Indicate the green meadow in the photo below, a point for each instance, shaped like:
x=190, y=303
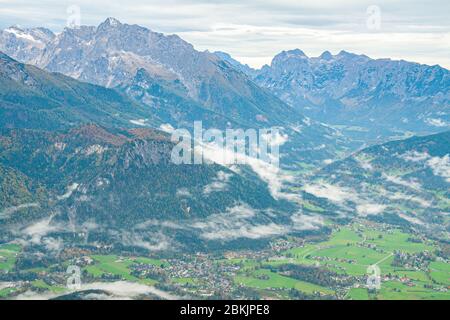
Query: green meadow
x=120, y=266
x=265, y=279
x=8, y=256
x=350, y=251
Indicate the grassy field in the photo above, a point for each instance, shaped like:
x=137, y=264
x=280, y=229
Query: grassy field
x=358, y=294
x=6, y=292
x=120, y=266
x=351, y=250
x=155, y=262
x=40, y=284
x=8, y=255
x=265, y=279
x=311, y=207
x=111, y=264
x=440, y=272
x=393, y=290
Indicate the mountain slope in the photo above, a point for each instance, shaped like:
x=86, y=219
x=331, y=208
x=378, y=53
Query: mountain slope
x=32, y=98
x=71, y=160
x=246, y=69
x=112, y=53
x=25, y=44
x=120, y=186
x=18, y=193
x=181, y=85
x=354, y=90
x=405, y=182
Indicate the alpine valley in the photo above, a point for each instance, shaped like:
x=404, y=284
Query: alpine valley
x=87, y=180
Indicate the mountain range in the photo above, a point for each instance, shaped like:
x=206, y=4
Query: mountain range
x=84, y=155
x=382, y=96
x=175, y=82
x=113, y=54
x=74, y=158
x=367, y=100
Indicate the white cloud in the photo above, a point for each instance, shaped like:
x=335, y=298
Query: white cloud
x=440, y=166
x=33, y=295
x=415, y=156
x=38, y=230
x=11, y=210
x=236, y=223
x=239, y=222
x=127, y=290
x=271, y=173
x=246, y=231
x=400, y=196
x=370, y=209
x=219, y=183
x=52, y=244
x=119, y=290
x=331, y=192
x=183, y=192
x=411, y=219
x=157, y=242
x=305, y=222
x=364, y=163
x=139, y=122
x=70, y=190
x=167, y=127
x=405, y=183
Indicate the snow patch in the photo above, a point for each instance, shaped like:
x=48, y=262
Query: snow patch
x=331, y=192
x=368, y=209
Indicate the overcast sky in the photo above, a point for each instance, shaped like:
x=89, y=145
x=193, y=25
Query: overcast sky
x=253, y=31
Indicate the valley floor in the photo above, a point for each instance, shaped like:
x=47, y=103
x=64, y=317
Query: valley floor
x=410, y=266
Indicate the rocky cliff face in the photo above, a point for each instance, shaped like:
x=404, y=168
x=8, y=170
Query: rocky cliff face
x=350, y=89
x=25, y=44
x=111, y=54
x=180, y=85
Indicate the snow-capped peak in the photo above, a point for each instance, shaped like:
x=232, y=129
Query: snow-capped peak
x=110, y=22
